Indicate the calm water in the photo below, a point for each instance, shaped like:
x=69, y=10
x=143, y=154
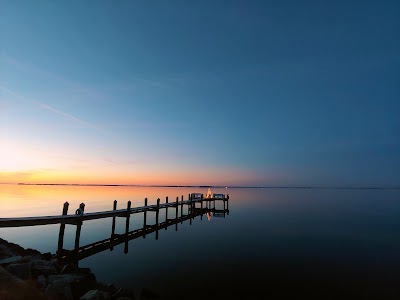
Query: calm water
x=275, y=243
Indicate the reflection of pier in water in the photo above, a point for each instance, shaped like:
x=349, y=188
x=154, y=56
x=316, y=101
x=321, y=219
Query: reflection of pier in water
x=207, y=206
x=116, y=239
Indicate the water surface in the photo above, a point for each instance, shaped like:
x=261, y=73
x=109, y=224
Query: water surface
x=278, y=243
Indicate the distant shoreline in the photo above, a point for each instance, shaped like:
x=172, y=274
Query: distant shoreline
x=209, y=186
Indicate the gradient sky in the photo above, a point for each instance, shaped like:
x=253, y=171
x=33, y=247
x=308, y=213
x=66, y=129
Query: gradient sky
x=200, y=92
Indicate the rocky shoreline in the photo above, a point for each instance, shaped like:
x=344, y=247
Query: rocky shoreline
x=29, y=274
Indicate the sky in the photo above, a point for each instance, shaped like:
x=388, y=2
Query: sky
x=251, y=93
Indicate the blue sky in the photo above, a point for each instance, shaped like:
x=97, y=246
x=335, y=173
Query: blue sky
x=200, y=92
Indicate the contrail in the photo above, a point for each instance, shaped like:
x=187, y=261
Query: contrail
x=50, y=108
x=68, y=116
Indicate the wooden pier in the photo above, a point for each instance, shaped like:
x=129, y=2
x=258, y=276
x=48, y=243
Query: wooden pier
x=207, y=206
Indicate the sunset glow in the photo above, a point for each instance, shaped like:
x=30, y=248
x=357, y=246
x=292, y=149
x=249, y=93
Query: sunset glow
x=250, y=97
x=247, y=149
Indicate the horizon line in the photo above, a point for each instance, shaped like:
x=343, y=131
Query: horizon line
x=211, y=186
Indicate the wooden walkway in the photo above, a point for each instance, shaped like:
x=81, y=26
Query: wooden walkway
x=207, y=205
x=80, y=216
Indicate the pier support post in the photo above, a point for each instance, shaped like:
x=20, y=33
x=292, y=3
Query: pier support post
x=191, y=208
x=176, y=214
x=62, y=229
x=176, y=207
x=181, y=208
x=201, y=207
x=128, y=217
x=79, y=212
x=166, y=213
x=157, y=213
x=113, y=227
x=145, y=219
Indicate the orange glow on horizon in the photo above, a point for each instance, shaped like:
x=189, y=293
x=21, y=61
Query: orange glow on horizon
x=165, y=177
x=37, y=200
x=21, y=162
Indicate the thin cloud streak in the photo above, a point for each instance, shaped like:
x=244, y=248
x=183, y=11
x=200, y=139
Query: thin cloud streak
x=50, y=108
x=68, y=116
x=10, y=92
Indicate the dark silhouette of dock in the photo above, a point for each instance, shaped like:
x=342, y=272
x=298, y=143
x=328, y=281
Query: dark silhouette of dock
x=207, y=206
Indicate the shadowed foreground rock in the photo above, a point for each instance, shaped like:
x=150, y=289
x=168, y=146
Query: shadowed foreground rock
x=28, y=274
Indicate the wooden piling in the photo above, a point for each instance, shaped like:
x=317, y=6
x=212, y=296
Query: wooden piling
x=80, y=211
x=62, y=228
x=176, y=213
x=176, y=207
x=166, y=212
x=145, y=219
x=182, y=206
x=128, y=217
x=157, y=213
x=113, y=226
x=190, y=211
